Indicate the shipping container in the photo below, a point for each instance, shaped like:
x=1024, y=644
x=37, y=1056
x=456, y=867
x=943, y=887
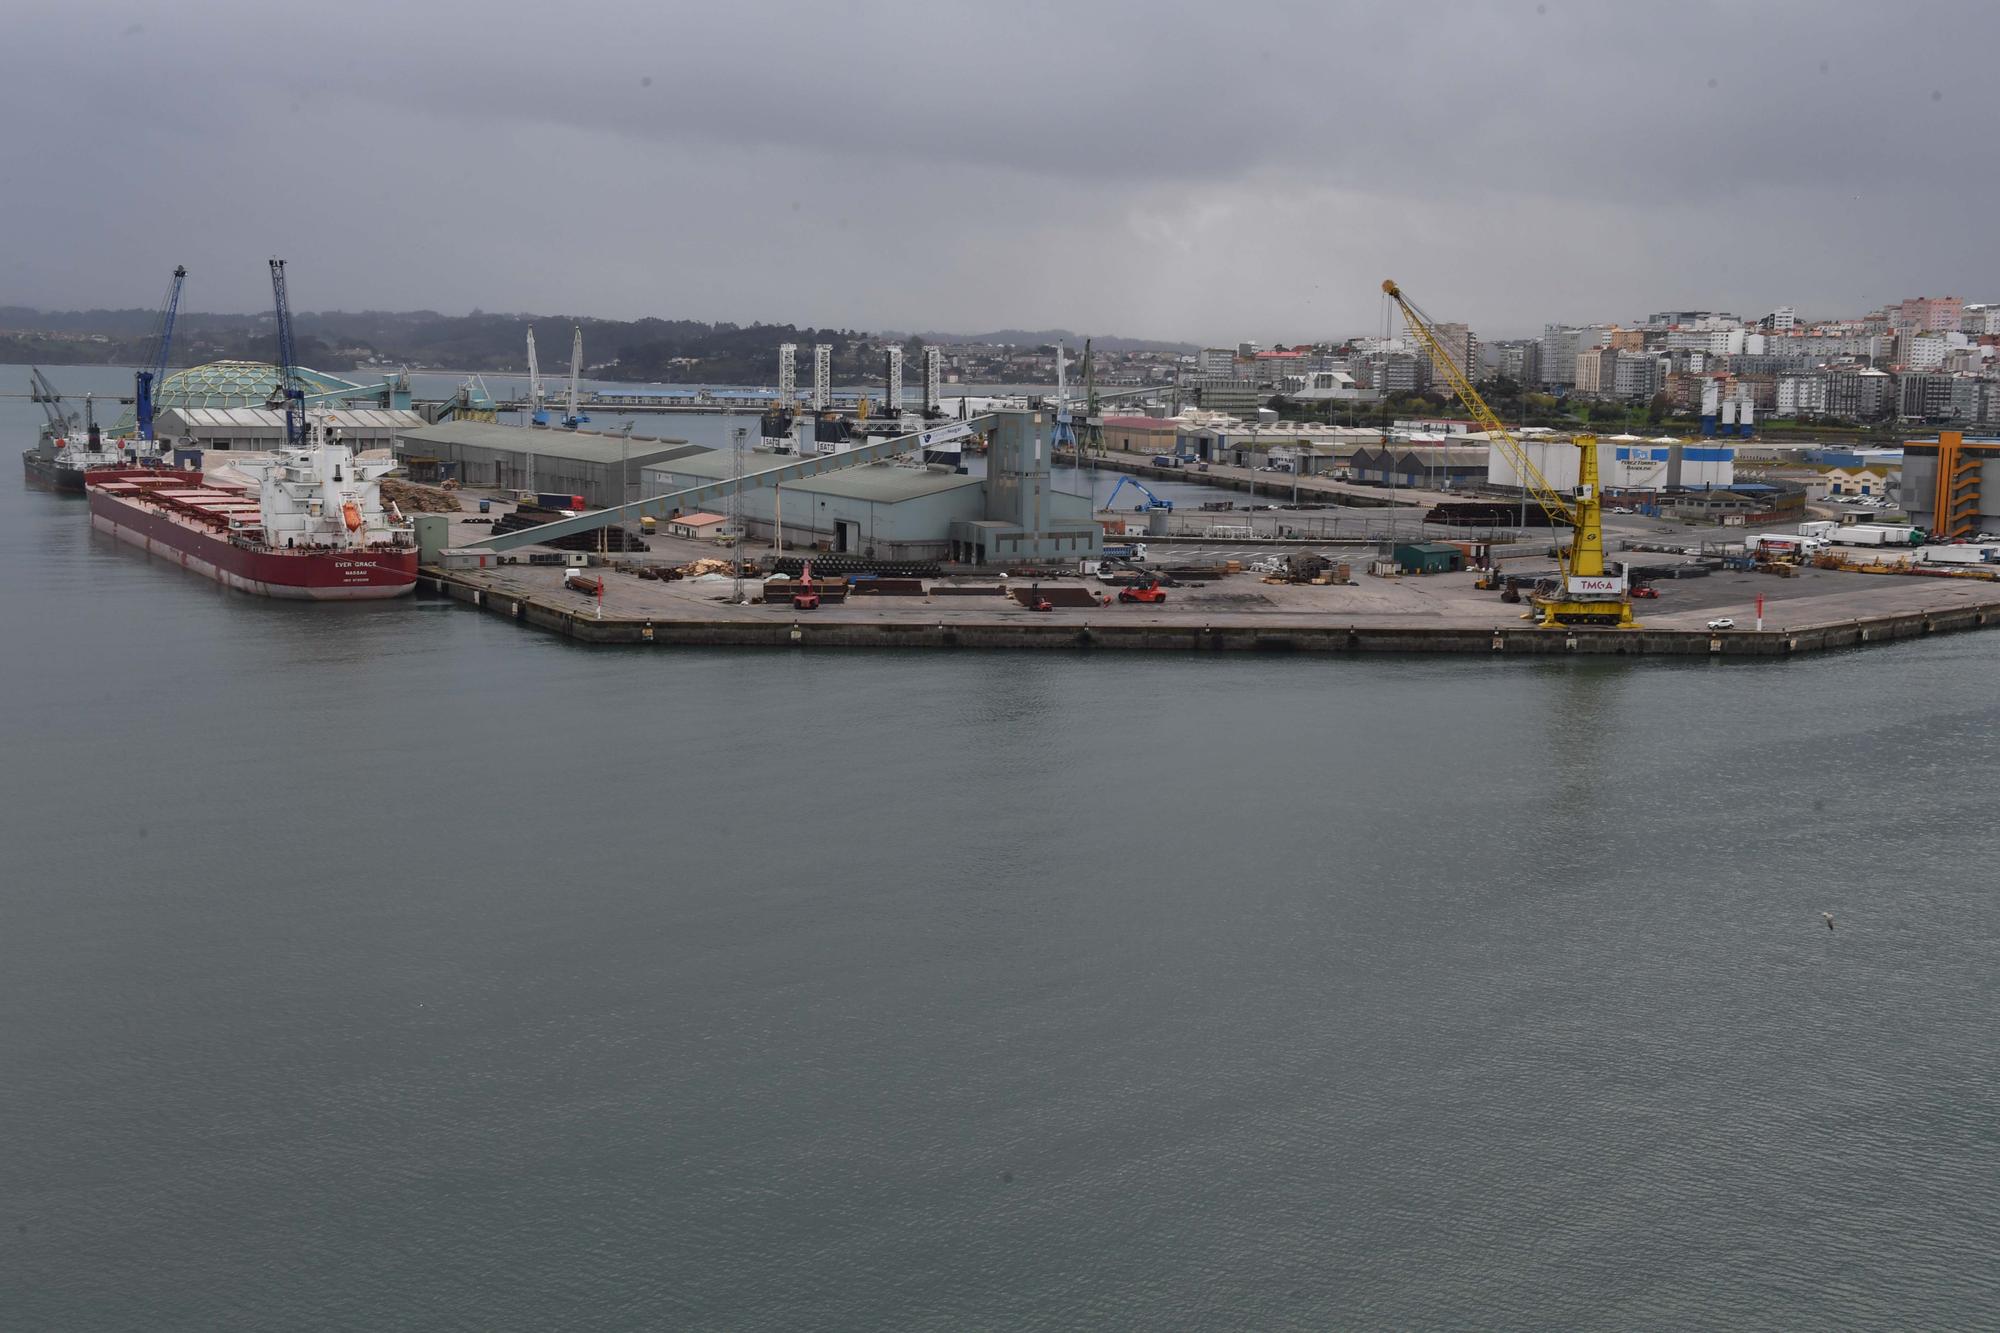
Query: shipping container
x=1961, y=555
x=1879, y=534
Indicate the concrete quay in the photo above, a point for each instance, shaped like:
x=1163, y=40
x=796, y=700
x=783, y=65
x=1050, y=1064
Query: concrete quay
x=1816, y=612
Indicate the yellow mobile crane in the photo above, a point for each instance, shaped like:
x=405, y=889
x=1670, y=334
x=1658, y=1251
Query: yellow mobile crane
x=1588, y=595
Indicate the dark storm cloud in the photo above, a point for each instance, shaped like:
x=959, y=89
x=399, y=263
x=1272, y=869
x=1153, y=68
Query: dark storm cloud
x=1202, y=171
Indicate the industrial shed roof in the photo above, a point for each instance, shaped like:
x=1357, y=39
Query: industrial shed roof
x=583, y=446
x=881, y=482
x=263, y=418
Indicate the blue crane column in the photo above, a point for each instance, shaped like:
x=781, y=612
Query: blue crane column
x=156, y=365
x=289, y=385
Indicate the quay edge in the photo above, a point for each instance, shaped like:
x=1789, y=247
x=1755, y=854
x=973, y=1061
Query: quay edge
x=790, y=631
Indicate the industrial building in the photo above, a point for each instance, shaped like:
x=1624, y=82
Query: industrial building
x=1744, y=502
x=1951, y=485
x=264, y=428
x=1213, y=437
x=888, y=511
x=1142, y=435
x=604, y=469
x=1428, y=558
x=254, y=384
x=1624, y=463
x=1434, y=467
x=897, y=511
x=1870, y=480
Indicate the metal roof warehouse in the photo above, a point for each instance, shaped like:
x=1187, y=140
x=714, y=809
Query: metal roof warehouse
x=604, y=469
x=899, y=512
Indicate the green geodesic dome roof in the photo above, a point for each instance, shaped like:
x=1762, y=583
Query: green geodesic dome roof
x=234, y=384
x=229, y=384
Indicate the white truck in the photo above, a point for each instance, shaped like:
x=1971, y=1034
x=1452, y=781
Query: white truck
x=1785, y=543
x=1960, y=555
x=1878, y=534
x=1818, y=528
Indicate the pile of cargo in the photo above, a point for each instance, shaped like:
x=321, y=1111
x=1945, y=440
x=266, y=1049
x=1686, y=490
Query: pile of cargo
x=414, y=499
x=694, y=569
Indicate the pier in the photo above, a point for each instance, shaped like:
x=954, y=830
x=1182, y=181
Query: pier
x=1233, y=613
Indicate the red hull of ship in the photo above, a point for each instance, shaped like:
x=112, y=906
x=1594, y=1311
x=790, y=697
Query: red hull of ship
x=311, y=575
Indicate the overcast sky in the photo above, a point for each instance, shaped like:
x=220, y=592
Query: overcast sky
x=1211, y=172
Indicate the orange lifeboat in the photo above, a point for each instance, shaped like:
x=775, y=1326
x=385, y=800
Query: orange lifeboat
x=352, y=513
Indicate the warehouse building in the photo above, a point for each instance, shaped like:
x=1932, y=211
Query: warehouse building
x=262, y=428
x=605, y=470
x=1624, y=462
x=886, y=511
x=1142, y=435
x=898, y=511
x=1434, y=467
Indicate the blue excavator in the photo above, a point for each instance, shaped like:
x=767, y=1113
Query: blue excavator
x=1152, y=501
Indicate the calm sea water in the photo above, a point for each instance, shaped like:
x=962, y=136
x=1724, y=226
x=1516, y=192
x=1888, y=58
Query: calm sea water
x=389, y=967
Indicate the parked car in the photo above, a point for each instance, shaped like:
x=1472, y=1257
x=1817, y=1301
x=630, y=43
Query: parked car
x=1722, y=622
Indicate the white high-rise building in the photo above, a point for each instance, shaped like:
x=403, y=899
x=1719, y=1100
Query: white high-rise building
x=1925, y=351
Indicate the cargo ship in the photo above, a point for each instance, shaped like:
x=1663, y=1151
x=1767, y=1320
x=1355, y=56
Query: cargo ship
x=305, y=521
x=59, y=461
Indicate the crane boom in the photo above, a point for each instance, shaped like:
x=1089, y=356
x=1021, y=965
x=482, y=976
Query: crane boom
x=575, y=418
x=45, y=393
x=156, y=366
x=1551, y=502
x=291, y=388
x=537, y=413
x=1588, y=595
x=1092, y=440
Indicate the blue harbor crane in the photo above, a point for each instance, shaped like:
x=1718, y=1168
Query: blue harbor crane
x=291, y=387
x=156, y=363
x=1062, y=434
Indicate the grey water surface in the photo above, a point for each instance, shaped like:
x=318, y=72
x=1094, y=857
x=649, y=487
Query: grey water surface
x=390, y=967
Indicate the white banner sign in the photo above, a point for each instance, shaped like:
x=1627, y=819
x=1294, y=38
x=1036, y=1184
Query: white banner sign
x=1596, y=585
